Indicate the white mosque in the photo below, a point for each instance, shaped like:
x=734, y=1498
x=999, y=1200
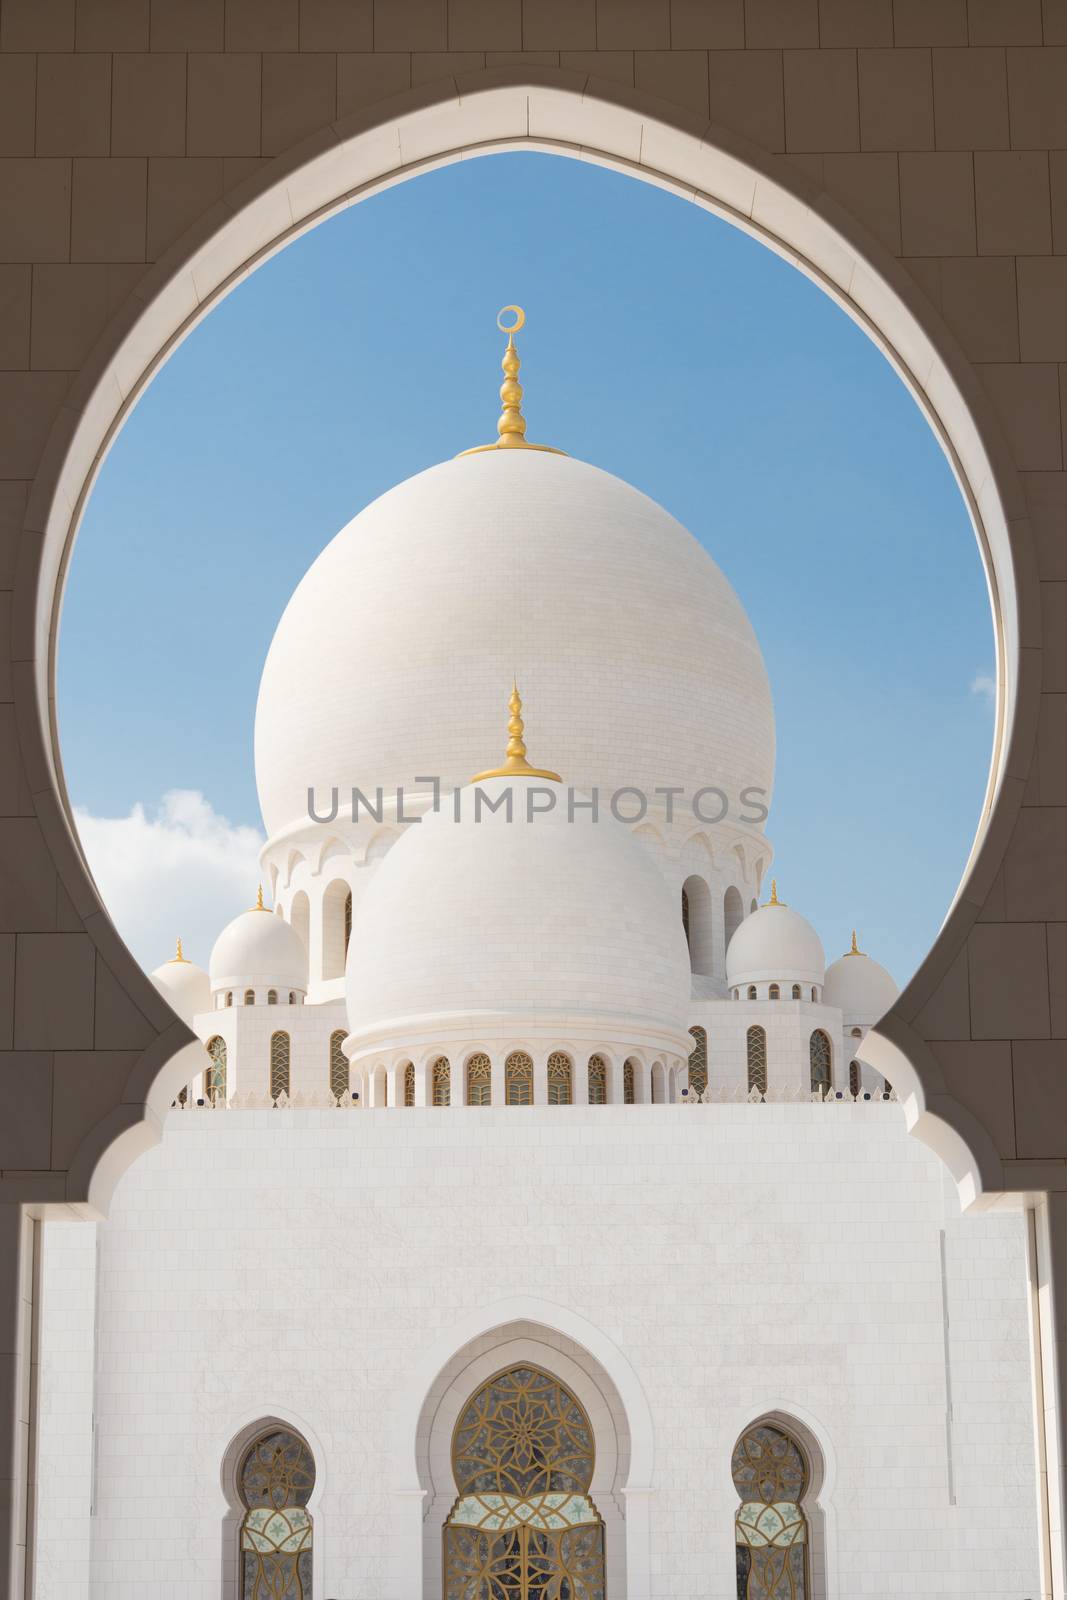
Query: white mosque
x=534, y=1229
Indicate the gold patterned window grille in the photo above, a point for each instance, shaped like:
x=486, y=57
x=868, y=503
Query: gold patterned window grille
x=598, y=1081
x=215, y=1081
x=250, y=997
x=272, y=997
x=628, y=1083
x=819, y=1052
x=279, y=1064
x=770, y=1528
x=756, y=1045
x=523, y=1526
x=853, y=1077
x=409, y=1084
x=338, y=1066
x=774, y=993
x=479, y=1080
x=518, y=1079
x=275, y=1481
x=698, y=1061
x=560, y=1079
x=442, y=1082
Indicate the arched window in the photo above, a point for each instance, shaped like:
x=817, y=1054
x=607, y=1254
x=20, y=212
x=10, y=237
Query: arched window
x=275, y=1480
x=279, y=1064
x=853, y=1077
x=628, y=1083
x=796, y=991
x=819, y=1051
x=336, y=927
x=733, y=913
x=697, y=918
x=338, y=1065
x=737, y=994
x=523, y=1523
x=250, y=997
x=756, y=1045
x=479, y=1081
x=292, y=997
x=518, y=1079
x=409, y=1084
x=752, y=991
x=770, y=1528
x=229, y=998
x=598, y=1081
x=685, y=914
x=774, y=993
x=814, y=993
x=215, y=1081
x=698, y=1061
x=272, y=997
x=442, y=1082
x=559, y=1079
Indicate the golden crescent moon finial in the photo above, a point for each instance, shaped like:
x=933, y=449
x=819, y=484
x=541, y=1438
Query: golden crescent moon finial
x=520, y=319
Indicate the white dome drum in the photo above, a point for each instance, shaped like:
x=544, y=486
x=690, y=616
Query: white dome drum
x=775, y=945
x=259, y=950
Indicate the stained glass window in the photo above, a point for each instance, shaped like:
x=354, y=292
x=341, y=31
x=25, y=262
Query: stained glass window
x=628, y=1083
x=757, y=1059
x=479, y=1081
x=215, y=1081
x=770, y=1528
x=338, y=1066
x=559, y=1079
x=279, y=1064
x=698, y=1061
x=275, y=1482
x=518, y=1079
x=409, y=1084
x=523, y=1526
x=598, y=1081
x=442, y=1082
x=819, y=1051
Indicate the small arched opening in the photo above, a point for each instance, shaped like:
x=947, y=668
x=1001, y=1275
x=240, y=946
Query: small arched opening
x=733, y=913
x=696, y=914
x=336, y=927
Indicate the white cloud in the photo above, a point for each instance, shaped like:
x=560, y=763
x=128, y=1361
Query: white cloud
x=179, y=869
x=984, y=685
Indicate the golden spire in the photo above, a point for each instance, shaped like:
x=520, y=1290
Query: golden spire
x=177, y=956
x=515, y=763
x=774, y=900
x=512, y=425
x=855, y=950
x=259, y=906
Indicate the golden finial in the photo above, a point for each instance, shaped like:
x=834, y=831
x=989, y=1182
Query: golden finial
x=855, y=950
x=259, y=906
x=512, y=425
x=774, y=900
x=515, y=763
x=177, y=956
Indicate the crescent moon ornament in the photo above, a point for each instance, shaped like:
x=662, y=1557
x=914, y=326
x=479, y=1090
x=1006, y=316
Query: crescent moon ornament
x=519, y=322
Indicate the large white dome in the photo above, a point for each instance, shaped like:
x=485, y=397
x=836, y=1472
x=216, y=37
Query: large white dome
x=774, y=945
x=394, y=655
x=260, y=950
x=861, y=987
x=539, y=928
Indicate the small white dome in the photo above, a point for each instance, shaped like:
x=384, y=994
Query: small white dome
x=537, y=928
x=185, y=986
x=775, y=945
x=860, y=987
x=259, y=950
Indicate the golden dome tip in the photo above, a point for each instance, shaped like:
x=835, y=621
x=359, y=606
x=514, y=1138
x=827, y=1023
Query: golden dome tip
x=511, y=426
x=515, y=762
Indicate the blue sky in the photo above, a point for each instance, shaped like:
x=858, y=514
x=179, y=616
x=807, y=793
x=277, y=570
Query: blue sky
x=661, y=344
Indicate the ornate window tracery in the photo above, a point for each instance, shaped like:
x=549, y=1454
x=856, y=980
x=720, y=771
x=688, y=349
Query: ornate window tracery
x=348, y=921
x=770, y=1528
x=756, y=1044
x=598, y=1081
x=279, y=1064
x=853, y=1077
x=215, y=1080
x=819, y=1052
x=442, y=1081
x=518, y=1079
x=479, y=1080
x=409, y=1084
x=560, y=1079
x=524, y=1526
x=628, y=1083
x=698, y=1061
x=338, y=1065
x=275, y=1481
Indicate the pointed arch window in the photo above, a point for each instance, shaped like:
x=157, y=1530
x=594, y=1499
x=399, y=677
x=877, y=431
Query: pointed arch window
x=338, y=1065
x=560, y=1079
x=821, y=1068
x=409, y=1084
x=275, y=1480
x=756, y=1050
x=770, y=1529
x=442, y=1081
x=215, y=1081
x=279, y=1065
x=698, y=1061
x=479, y=1080
x=628, y=1083
x=598, y=1081
x=518, y=1079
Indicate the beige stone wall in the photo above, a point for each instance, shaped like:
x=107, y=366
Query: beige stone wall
x=939, y=126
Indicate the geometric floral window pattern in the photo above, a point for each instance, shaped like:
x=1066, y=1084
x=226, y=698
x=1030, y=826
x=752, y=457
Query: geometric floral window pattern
x=757, y=1059
x=518, y=1079
x=409, y=1084
x=523, y=1526
x=628, y=1083
x=698, y=1061
x=598, y=1081
x=338, y=1066
x=559, y=1079
x=479, y=1080
x=442, y=1086
x=275, y=1481
x=819, y=1050
x=279, y=1064
x=216, y=1072
x=770, y=1529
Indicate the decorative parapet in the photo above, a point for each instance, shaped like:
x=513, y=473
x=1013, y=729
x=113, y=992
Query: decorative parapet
x=713, y=1095
x=729, y=1095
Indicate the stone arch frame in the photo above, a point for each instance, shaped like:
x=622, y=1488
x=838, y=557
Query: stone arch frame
x=243, y=1430
x=448, y=1371
x=818, y=1500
